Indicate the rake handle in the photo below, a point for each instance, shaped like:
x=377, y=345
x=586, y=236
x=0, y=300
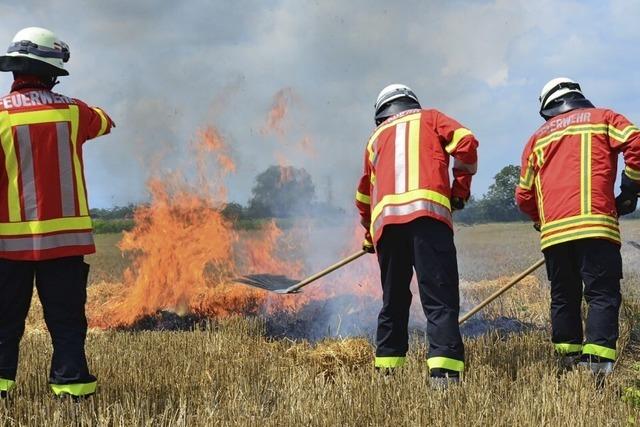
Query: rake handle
x=326, y=271
x=500, y=291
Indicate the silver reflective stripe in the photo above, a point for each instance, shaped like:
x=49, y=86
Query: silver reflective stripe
x=27, y=173
x=409, y=208
x=471, y=168
x=374, y=186
x=401, y=160
x=67, y=191
x=37, y=243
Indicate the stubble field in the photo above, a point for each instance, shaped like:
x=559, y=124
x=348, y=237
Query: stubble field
x=232, y=373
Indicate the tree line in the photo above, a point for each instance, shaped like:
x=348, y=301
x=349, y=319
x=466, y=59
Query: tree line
x=286, y=192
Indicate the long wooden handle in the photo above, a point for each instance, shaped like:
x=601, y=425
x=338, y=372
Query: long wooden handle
x=326, y=271
x=500, y=291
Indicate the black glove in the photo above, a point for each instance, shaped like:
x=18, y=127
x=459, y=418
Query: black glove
x=457, y=204
x=626, y=203
x=627, y=200
x=367, y=243
x=536, y=226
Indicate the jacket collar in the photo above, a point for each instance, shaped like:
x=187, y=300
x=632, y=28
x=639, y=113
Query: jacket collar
x=28, y=82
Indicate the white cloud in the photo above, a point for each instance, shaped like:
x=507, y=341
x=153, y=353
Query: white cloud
x=164, y=68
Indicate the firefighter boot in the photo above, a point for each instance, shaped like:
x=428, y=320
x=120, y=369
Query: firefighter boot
x=441, y=379
x=597, y=365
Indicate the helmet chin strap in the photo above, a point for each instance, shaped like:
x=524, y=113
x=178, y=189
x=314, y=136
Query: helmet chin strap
x=54, y=81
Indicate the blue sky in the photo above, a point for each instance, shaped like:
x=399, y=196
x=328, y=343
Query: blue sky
x=163, y=69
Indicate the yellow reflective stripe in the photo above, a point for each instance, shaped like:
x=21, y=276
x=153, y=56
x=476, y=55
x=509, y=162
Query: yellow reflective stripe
x=570, y=130
x=622, y=135
x=526, y=181
x=583, y=233
x=46, y=226
x=389, y=362
x=103, y=121
x=539, y=198
x=573, y=221
x=6, y=385
x=74, y=389
x=372, y=180
x=585, y=228
x=382, y=128
x=581, y=225
x=619, y=135
x=632, y=173
x=363, y=198
x=539, y=157
x=445, y=363
x=413, y=157
x=564, y=348
x=11, y=166
x=42, y=116
x=458, y=134
x=409, y=196
x=585, y=173
x=598, y=350
x=77, y=166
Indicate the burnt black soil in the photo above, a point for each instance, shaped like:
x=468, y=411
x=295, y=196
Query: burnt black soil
x=342, y=316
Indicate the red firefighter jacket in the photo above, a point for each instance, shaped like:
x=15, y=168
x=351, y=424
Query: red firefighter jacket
x=569, y=168
x=43, y=199
x=406, y=169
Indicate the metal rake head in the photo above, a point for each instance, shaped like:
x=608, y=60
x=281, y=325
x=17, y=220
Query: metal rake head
x=269, y=282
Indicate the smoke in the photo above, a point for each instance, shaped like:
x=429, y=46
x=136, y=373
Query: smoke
x=163, y=69
x=159, y=67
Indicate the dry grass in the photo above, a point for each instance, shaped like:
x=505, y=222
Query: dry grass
x=230, y=374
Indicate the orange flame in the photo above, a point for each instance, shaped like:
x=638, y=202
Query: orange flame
x=184, y=252
x=276, y=118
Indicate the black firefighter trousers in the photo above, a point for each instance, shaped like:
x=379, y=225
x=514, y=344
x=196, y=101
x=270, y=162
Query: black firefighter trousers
x=427, y=245
x=62, y=288
x=596, y=263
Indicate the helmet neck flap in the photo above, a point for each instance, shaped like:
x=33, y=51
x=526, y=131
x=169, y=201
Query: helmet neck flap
x=394, y=107
x=564, y=104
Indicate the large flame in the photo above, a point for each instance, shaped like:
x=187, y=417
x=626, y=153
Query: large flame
x=186, y=253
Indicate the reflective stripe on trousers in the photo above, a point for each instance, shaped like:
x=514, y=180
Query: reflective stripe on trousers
x=6, y=385
x=37, y=243
x=77, y=390
x=445, y=363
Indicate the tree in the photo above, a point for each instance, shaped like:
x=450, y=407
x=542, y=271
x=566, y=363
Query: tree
x=282, y=191
x=233, y=211
x=499, y=203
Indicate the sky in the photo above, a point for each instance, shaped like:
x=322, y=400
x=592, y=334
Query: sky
x=164, y=69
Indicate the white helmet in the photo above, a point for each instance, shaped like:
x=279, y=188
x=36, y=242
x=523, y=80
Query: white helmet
x=37, y=51
x=391, y=93
x=556, y=88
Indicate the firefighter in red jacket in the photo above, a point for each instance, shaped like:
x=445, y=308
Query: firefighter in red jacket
x=405, y=201
x=567, y=188
x=45, y=228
